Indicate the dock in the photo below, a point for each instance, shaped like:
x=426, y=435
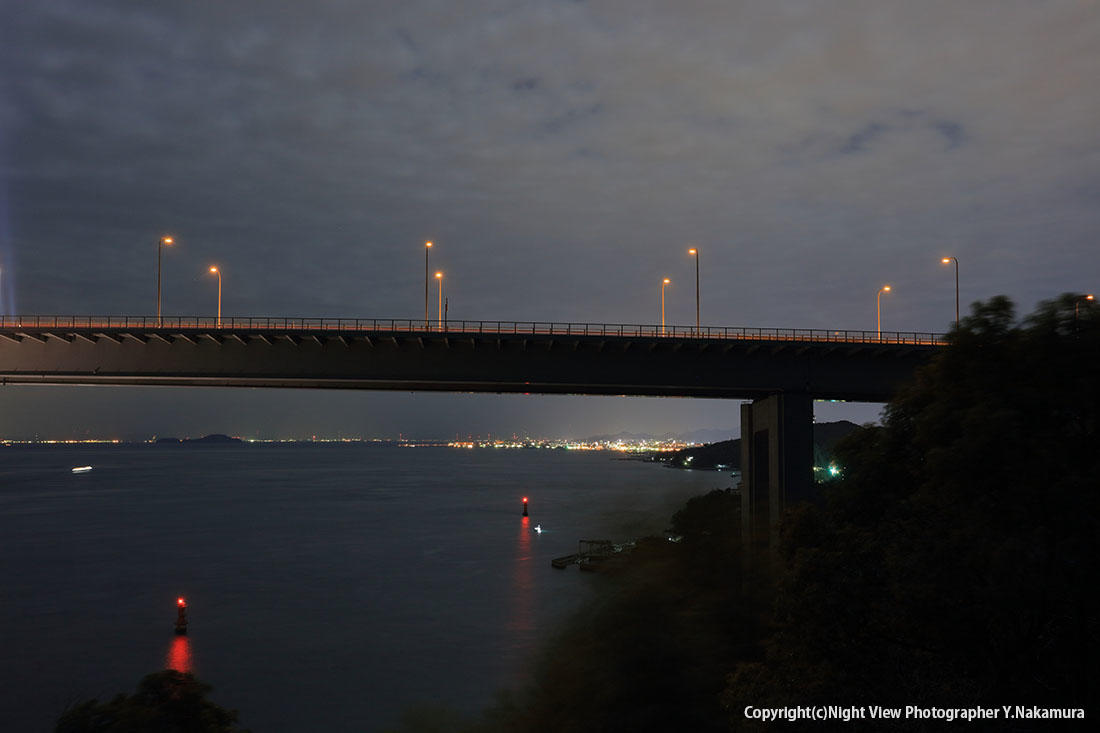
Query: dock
x=590, y=554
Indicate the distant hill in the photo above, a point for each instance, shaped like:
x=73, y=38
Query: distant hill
x=213, y=438
x=727, y=453
x=705, y=435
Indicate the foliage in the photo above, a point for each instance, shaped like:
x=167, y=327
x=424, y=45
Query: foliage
x=166, y=702
x=709, y=515
x=954, y=563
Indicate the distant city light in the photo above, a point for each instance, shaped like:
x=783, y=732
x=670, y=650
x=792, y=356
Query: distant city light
x=635, y=445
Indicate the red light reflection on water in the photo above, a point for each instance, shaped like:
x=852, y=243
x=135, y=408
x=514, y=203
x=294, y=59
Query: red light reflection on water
x=523, y=581
x=179, y=655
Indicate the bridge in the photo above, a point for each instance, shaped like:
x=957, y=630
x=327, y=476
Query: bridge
x=780, y=370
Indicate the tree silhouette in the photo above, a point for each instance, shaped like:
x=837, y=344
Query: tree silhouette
x=955, y=562
x=165, y=702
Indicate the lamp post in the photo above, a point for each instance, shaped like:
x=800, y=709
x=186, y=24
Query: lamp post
x=695, y=251
x=427, y=246
x=947, y=261
x=439, y=278
x=160, y=245
x=664, y=282
x=1077, y=306
x=878, y=309
x=218, y=272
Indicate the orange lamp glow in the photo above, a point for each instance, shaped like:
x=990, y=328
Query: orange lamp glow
x=166, y=240
x=692, y=251
x=427, y=244
x=213, y=269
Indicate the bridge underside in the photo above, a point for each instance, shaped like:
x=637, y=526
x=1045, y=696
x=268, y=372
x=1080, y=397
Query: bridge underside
x=458, y=362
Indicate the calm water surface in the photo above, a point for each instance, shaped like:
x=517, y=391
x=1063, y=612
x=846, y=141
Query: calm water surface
x=330, y=586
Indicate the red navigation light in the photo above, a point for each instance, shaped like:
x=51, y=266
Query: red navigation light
x=180, y=602
x=525, y=500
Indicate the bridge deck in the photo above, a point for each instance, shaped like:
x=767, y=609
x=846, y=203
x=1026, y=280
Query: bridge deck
x=466, y=356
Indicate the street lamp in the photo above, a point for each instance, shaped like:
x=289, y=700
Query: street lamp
x=439, y=277
x=218, y=272
x=948, y=261
x=1077, y=305
x=163, y=241
x=695, y=251
x=664, y=282
x=427, y=246
x=878, y=309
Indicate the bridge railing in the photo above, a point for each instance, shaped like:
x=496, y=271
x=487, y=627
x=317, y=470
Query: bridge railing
x=185, y=324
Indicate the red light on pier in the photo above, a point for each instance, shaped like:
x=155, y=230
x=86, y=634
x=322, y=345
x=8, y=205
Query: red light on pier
x=181, y=616
x=525, y=500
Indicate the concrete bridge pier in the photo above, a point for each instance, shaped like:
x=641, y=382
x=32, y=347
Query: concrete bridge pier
x=777, y=450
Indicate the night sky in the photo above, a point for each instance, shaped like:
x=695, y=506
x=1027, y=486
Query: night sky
x=562, y=155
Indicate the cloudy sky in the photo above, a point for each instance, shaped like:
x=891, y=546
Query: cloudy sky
x=562, y=154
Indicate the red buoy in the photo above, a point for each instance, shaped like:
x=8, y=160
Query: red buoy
x=181, y=615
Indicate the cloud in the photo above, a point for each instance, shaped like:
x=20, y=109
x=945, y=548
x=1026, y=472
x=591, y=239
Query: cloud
x=560, y=153
x=952, y=132
x=858, y=142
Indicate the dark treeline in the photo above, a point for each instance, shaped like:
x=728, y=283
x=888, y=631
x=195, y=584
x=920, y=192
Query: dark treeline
x=164, y=702
x=956, y=563
x=953, y=564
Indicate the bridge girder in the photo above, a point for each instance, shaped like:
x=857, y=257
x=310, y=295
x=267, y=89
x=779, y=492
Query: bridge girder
x=449, y=361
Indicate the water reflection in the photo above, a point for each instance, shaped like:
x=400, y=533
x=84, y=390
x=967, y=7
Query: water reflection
x=179, y=655
x=523, y=581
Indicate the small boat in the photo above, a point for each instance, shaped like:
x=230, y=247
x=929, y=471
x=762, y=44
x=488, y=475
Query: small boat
x=82, y=469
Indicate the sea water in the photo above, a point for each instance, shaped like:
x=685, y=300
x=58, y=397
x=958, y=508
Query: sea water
x=329, y=586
